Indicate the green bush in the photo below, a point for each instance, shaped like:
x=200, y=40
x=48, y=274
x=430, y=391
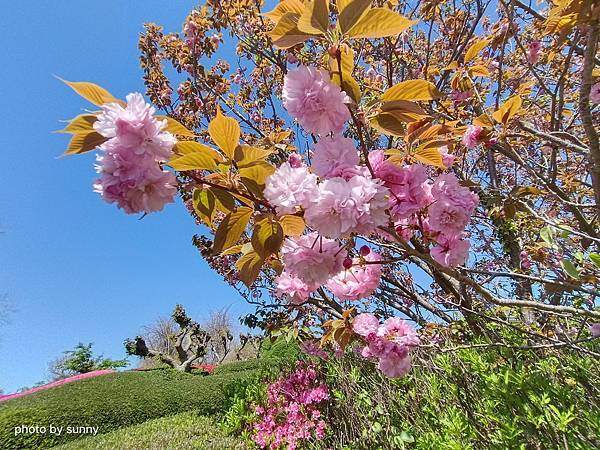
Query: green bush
x=240, y=366
x=468, y=399
x=114, y=401
x=181, y=431
x=280, y=348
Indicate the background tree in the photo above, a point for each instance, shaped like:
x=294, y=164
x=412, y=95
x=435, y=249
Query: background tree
x=82, y=360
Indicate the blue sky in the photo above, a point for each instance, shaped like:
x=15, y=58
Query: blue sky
x=73, y=267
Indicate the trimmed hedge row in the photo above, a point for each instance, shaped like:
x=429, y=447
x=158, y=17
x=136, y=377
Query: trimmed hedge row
x=114, y=401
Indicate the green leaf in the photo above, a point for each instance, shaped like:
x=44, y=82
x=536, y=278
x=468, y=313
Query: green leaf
x=547, y=235
x=570, y=268
x=595, y=258
x=231, y=229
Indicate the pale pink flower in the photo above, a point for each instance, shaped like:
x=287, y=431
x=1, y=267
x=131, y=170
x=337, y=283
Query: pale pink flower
x=365, y=324
x=359, y=281
x=534, y=51
x=447, y=158
x=398, y=331
x=135, y=127
x=295, y=160
x=314, y=101
x=312, y=258
x=292, y=288
x=595, y=93
x=290, y=188
x=357, y=205
x=394, y=366
x=453, y=205
x=333, y=154
x=451, y=251
x=472, y=136
x=595, y=329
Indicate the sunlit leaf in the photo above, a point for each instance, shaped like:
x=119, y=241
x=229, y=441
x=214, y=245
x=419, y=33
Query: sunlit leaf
x=570, y=268
x=186, y=147
x=258, y=172
x=292, y=225
x=286, y=6
x=508, y=109
x=315, y=18
x=286, y=34
x=547, y=235
x=387, y=123
x=246, y=156
x=351, y=12
x=198, y=160
x=404, y=110
x=84, y=142
x=378, y=23
x=412, y=90
x=174, y=127
x=595, y=258
x=479, y=71
x=267, y=237
x=83, y=123
x=249, y=266
x=231, y=229
x=475, y=48
x=225, y=132
x=429, y=155
x=204, y=202
x=92, y=92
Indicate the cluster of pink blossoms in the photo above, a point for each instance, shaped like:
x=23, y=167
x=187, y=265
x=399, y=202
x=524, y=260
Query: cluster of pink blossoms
x=291, y=414
x=389, y=343
x=340, y=197
x=129, y=166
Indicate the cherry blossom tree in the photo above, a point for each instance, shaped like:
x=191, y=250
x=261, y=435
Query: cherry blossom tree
x=433, y=161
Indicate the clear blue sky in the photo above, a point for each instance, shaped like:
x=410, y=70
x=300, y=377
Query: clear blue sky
x=75, y=268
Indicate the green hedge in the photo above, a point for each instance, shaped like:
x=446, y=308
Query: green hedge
x=114, y=401
x=181, y=431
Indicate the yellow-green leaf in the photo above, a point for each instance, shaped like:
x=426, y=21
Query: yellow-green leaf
x=267, y=237
x=474, y=49
x=315, y=18
x=231, y=229
x=508, y=109
x=84, y=142
x=83, y=123
x=404, y=110
x=351, y=12
x=186, y=147
x=292, y=225
x=174, y=127
x=92, y=92
x=387, y=123
x=246, y=155
x=257, y=172
x=431, y=156
x=412, y=90
x=249, y=266
x=286, y=6
x=378, y=23
x=225, y=132
x=193, y=161
x=286, y=33
x=205, y=203
x=479, y=71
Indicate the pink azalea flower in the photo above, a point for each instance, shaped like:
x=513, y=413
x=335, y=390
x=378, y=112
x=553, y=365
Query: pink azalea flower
x=365, y=324
x=359, y=281
x=290, y=188
x=357, y=205
x=314, y=101
x=534, y=51
x=472, y=137
x=333, y=154
x=595, y=93
x=312, y=258
x=451, y=251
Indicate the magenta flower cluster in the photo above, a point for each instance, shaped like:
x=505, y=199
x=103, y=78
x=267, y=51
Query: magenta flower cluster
x=291, y=414
x=389, y=343
x=129, y=166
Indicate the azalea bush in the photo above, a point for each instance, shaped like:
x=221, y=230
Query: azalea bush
x=422, y=163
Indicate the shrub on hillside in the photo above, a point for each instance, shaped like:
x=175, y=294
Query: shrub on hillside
x=114, y=401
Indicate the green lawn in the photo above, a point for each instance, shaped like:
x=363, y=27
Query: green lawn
x=178, y=432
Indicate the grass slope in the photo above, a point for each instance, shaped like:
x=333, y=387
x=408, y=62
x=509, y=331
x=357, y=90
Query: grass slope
x=114, y=401
x=182, y=431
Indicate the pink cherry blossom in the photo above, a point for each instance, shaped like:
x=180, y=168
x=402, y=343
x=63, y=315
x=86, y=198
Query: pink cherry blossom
x=452, y=207
x=595, y=93
x=451, y=251
x=472, y=136
x=292, y=288
x=398, y=331
x=357, y=205
x=595, y=329
x=365, y=324
x=314, y=101
x=534, y=51
x=447, y=158
x=312, y=258
x=290, y=188
x=359, y=281
x=394, y=366
x=332, y=155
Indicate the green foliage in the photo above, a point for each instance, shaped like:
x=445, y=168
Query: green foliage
x=181, y=431
x=280, y=348
x=113, y=401
x=468, y=399
x=81, y=360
